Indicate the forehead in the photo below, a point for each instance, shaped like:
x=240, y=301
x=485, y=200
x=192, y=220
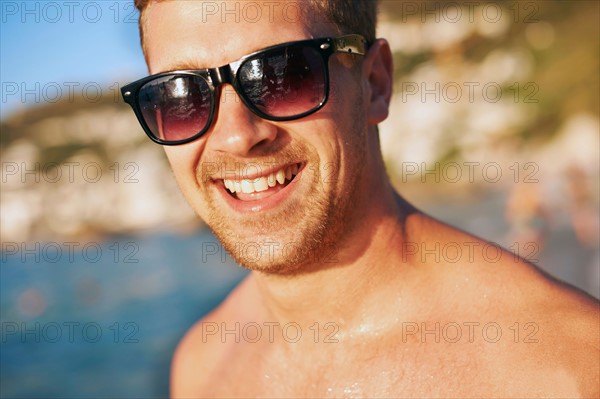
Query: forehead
x=209, y=33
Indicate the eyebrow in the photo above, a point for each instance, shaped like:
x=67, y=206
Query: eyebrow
x=193, y=65
x=182, y=65
x=190, y=63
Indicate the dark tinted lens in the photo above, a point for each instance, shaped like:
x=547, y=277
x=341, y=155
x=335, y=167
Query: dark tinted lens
x=285, y=82
x=175, y=107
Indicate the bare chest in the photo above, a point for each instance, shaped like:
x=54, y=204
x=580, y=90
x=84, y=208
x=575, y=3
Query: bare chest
x=408, y=370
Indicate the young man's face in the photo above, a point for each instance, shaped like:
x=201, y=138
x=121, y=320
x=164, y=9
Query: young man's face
x=289, y=225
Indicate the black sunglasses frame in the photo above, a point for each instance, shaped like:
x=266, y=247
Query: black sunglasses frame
x=215, y=77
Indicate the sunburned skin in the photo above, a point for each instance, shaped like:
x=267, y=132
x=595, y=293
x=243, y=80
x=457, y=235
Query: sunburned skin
x=337, y=305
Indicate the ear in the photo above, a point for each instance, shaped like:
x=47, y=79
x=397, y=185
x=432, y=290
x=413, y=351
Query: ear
x=378, y=76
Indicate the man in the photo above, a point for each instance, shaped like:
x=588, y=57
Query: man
x=278, y=153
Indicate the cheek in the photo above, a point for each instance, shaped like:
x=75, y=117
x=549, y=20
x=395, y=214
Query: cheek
x=184, y=160
x=340, y=131
x=352, y=138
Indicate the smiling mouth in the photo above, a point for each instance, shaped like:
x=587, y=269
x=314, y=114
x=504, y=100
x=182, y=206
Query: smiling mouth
x=256, y=188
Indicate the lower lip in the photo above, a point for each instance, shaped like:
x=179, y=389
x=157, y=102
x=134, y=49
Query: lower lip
x=260, y=204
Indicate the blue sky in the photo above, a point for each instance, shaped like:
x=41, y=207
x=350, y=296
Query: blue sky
x=50, y=44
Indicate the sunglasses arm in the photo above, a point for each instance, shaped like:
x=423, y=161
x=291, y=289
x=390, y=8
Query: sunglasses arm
x=352, y=44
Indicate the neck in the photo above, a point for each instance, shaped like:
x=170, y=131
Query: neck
x=353, y=286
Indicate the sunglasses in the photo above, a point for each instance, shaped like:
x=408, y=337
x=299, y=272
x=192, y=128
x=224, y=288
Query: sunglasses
x=280, y=83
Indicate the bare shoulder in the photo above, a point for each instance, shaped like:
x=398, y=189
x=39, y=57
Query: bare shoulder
x=551, y=341
x=549, y=331
x=199, y=352
x=552, y=331
x=548, y=347
x=569, y=324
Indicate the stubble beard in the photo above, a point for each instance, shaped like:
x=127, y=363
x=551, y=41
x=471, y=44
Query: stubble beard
x=283, y=242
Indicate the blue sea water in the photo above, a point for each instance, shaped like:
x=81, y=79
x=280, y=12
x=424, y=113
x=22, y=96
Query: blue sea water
x=101, y=320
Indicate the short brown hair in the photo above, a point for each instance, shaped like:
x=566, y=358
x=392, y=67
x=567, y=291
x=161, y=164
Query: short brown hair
x=349, y=16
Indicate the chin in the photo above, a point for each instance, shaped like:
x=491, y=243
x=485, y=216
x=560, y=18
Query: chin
x=301, y=250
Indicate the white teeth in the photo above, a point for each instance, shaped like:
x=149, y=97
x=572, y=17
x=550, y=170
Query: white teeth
x=247, y=186
x=261, y=183
x=280, y=176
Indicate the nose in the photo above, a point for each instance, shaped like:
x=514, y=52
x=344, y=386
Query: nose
x=236, y=129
